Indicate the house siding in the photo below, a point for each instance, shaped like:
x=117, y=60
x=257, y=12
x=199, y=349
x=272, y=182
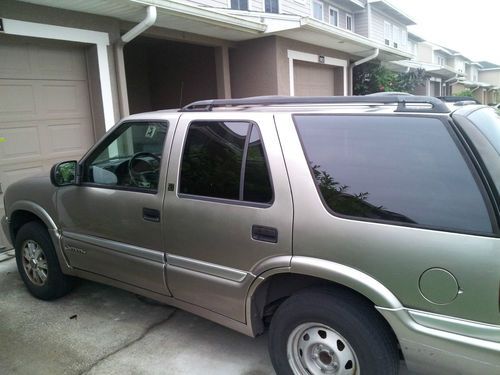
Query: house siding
x=424, y=53
x=211, y=3
x=377, y=26
x=296, y=7
x=361, y=23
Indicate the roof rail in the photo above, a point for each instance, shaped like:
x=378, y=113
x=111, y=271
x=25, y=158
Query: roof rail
x=402, y=101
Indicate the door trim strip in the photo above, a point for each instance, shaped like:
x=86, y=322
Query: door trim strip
x=136, y=251
x=217, y=270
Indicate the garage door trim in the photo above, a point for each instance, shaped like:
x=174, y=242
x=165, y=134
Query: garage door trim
x=70, y=34
x=309, y=57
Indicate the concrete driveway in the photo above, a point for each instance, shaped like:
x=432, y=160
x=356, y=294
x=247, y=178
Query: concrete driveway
x=98, y=329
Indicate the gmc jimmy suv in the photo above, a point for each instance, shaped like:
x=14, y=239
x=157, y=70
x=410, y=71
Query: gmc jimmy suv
x=359, y=230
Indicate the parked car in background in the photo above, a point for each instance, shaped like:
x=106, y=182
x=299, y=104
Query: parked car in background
x=358, y=230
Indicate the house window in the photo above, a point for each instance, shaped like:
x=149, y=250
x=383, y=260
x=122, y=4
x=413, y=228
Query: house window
x=239, y=4
x=396, y=36
x=441, y=61
x=318, y=10
x=348, y=22
x=387, y=33
x=334, y=16
x=272, y=6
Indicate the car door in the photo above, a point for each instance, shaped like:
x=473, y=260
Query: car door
x=111, y=222
x=228, y=209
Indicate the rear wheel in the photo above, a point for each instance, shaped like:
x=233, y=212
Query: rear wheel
x=323, y=331
x=37, y=263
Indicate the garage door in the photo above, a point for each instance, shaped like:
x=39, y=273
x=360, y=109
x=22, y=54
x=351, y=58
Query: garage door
x=45, y=113
x=313, y=79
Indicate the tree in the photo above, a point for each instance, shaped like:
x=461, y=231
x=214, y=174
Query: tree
x=373, y=77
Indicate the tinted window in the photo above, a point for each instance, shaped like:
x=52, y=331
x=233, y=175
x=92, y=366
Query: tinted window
x=213, y=162
x=257, y=186
x=130, y=157
x=400, y=169
x=488, y=122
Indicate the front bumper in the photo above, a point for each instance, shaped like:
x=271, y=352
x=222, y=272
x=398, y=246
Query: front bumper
x=6, y=228
x=429, y=350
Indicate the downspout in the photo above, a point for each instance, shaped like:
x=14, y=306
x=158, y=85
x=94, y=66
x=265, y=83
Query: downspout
x=138, y=29
x=374, y=55
x=451, y=84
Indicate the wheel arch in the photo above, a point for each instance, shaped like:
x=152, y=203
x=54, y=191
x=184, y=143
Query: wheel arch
x=278, y=283
x=22, y=212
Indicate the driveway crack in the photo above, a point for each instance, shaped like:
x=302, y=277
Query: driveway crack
x=128, y=344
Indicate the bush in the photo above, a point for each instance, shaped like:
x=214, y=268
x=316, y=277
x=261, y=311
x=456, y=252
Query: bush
x=372, y=77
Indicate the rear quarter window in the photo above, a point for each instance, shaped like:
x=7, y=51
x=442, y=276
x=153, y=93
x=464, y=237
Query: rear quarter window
x=401, y=170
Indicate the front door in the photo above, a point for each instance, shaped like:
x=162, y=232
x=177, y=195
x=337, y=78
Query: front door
x=111, y=222
x=228, y=209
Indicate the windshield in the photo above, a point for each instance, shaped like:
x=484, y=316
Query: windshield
x=487, y=120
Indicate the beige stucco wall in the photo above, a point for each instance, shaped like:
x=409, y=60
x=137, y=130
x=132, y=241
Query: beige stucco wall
x=253, y=68
x=52, y=16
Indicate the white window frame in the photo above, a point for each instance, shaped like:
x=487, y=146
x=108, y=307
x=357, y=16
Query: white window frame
x=388, y=33
x=330, y=8
x=347, y=16
x=322, y=10
x=312, y=58
x=243, y=10
x=70, y=34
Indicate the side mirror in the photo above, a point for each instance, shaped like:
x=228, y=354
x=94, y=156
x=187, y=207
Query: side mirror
x=64, y=173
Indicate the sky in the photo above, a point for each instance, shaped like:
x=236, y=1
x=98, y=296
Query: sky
x=471, y=27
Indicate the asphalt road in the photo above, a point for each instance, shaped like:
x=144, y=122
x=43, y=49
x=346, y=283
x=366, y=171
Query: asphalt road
x=98, y=329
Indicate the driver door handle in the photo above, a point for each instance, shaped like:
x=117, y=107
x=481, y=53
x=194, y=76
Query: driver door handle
x=150, y=214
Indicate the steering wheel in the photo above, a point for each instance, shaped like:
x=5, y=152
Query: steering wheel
x=141, y=168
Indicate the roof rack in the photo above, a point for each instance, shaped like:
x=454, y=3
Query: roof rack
x=402, y=101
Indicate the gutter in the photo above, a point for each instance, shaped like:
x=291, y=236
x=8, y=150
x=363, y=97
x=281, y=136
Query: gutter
x=133, y=33
x=374, y=55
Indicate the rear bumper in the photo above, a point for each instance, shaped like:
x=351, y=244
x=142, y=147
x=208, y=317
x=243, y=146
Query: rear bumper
x=429, y=350
x=6, y=229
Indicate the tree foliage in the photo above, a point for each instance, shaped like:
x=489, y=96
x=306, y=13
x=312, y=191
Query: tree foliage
x=372, y=77
x=465, y=92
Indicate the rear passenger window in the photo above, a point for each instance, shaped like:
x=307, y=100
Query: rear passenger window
x=223, y=159
x=397, y=169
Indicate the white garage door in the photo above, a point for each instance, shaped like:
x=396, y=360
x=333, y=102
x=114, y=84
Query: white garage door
x=313, y=79
x=45, y=113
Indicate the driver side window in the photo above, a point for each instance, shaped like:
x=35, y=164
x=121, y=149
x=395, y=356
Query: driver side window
x=129, y=158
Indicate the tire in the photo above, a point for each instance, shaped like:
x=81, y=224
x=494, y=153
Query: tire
x=331, y=331
x=38, y=265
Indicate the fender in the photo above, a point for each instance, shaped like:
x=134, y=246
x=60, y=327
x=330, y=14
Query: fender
x=338, y=273
x=45, y=217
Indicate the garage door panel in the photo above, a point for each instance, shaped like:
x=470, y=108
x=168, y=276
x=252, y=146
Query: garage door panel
x=62, y=137
x=312, y=79
x=60, y=63
x=16, y=98
x=45, y=114
x=15, y=61
x=20, y=142
x=63, y=98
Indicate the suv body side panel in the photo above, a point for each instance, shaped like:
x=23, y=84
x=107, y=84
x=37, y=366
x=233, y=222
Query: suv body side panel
x=213, y=237
x=387, y=252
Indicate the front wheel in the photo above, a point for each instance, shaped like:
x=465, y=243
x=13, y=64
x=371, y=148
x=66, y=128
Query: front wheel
x=324, y=331
x=37, y=263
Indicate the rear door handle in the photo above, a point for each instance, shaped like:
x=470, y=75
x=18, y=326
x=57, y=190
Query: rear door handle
x=150, y=214
x=265, y=234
